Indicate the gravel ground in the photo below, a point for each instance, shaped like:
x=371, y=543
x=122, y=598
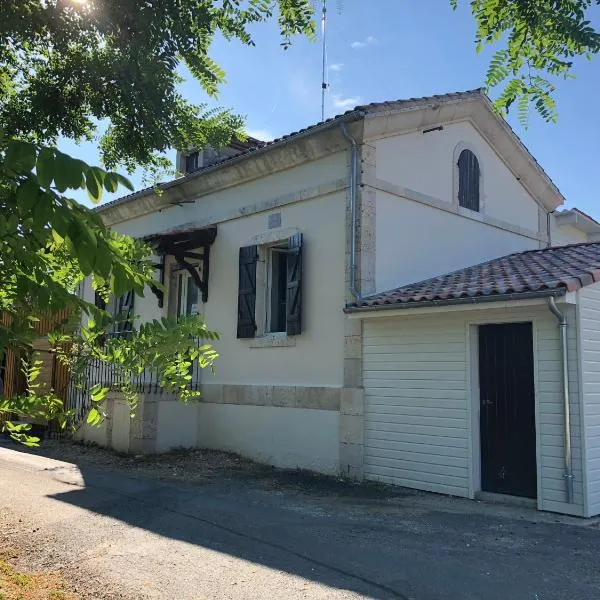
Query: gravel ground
x=29, y=549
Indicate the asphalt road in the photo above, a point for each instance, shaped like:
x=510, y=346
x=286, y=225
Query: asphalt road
x=245, y=539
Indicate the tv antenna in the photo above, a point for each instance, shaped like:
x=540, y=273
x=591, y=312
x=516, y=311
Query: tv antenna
x=324, y=84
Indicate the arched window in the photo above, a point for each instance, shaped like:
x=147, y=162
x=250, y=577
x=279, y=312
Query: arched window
x=468, y=180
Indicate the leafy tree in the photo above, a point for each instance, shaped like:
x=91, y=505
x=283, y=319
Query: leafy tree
x=540, y=39
x=67, y=67
x=108, y=71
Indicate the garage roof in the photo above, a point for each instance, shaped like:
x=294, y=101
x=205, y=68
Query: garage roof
x=549, y=271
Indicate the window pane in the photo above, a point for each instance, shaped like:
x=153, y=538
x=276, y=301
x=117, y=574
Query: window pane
x=192, y=307
x=468, y=180
x=282, y=288
x=180, y=282
x=278, y=291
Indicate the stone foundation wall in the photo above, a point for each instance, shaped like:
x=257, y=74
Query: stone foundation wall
x=286, y=426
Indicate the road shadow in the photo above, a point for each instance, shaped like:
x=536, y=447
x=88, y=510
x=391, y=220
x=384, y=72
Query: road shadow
x=378, y=542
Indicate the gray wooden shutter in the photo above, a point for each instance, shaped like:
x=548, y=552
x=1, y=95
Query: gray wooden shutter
x=294, y=285
x=125, y=312
x=468, y=180
x=246, y=324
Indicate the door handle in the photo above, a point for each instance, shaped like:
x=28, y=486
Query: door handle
x=487, y=402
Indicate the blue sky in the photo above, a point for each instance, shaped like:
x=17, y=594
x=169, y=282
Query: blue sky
x=387, y=49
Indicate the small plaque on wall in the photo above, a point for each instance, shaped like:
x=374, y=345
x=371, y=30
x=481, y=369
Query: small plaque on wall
x=274, y=220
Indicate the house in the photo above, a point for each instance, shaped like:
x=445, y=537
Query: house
x=290, y=249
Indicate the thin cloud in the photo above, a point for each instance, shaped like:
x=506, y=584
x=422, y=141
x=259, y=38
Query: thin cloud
x=336, y=67
x=345, y=103
x=261, y=134
x=368, y=41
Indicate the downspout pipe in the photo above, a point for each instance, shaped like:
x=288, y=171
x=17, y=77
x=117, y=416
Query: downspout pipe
x=562, y=325
x=353, y=210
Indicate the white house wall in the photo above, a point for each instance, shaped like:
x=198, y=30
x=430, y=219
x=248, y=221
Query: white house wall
x=426, y=163
x=418, y=419
x=279, y=436
x=235, y=201
x=316, y=359
x=567, y=234
x=278, y=403
x=416, y=241
x=589, y=316
x=420, y=231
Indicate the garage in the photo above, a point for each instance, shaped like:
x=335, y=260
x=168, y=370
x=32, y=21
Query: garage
x=464, y=387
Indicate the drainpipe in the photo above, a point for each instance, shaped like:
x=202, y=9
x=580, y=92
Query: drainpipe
x=353, y=193
x=549, y=228
x=562, y=324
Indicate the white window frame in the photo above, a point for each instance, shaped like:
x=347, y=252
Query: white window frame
x=175, y=271
x=270, y=251
x=265, y=242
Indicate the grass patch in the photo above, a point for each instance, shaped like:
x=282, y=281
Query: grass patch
x=17, y=585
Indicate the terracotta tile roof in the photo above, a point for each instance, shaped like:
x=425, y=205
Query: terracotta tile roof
x=560, y=269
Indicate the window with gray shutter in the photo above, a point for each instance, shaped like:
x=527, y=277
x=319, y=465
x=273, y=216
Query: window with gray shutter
x=468, y=180
x=246, y=323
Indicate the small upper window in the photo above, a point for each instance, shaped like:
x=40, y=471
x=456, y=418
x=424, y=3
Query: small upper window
x=468, y=180
x=192, y=162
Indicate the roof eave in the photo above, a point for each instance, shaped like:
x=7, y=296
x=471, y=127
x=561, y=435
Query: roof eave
x=580, y=221
x=353, y=115
x=470, y=300
x=534, y=178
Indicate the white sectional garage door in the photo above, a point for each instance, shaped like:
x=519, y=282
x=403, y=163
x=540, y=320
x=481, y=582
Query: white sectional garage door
x=415, y=381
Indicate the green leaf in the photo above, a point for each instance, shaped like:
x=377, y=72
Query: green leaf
x=111, y=183
x=61, y=220
x=103, y=262
x=84, y=244
x=27, y=195
x=68, y=172
x=45, y=167
x=94, y=417
x=98, y=393
x=60, y=176
x=43, y=210
x=124, y=182
x=20, y=156
x=94, y=179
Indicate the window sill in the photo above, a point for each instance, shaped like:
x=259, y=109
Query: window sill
x=273, y=340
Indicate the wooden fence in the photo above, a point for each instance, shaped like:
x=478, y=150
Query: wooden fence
x=54, y=375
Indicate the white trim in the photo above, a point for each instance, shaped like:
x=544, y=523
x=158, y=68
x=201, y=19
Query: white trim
x=535, y=330
x=582, y=430
x=263, y=337
x=273, y=340
x=473, y=398
x=411, y=312
x=463, y=145
x=473, y=409
x=164, y=201
x=273, y=236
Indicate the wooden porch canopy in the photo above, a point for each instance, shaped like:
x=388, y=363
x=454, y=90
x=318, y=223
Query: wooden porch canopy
x=184, y=244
